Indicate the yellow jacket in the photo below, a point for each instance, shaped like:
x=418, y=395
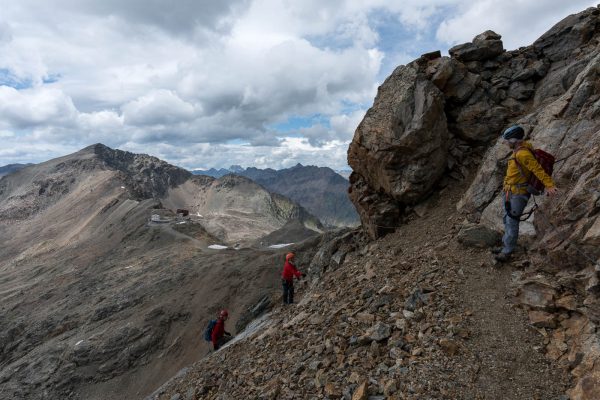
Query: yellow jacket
x=514, y=181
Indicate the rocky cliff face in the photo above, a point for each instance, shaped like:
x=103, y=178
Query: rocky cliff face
x=149, y=176
x=437, y=119
x=433, y=118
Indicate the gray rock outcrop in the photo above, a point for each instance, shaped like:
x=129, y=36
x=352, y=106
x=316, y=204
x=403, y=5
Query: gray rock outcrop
x=434, y=118
x=437, y=120
x=400, y=148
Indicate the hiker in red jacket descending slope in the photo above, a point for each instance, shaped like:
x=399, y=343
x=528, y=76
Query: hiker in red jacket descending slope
x=287, y=278
x=219, y=335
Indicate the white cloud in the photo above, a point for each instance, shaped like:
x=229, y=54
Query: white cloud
x=31, y=108
x=346, y=124
x=520, y=22
x=189, y=78
x=160, y=107
x=290, y=152
x=5, y=32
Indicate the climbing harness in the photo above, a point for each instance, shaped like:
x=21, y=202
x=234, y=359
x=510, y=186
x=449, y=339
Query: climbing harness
x=525, y=216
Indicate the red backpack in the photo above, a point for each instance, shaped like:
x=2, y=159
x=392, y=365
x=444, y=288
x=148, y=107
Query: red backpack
x=546, y=161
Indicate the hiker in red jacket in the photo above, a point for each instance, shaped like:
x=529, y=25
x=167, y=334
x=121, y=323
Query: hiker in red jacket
x=287, y=278
x=219, y=335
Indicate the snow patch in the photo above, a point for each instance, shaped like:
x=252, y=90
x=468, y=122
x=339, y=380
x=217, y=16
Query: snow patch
x=279, y=246
x=217, y=247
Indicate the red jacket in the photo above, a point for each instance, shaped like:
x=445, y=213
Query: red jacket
x=218, y=331
x=289, y=271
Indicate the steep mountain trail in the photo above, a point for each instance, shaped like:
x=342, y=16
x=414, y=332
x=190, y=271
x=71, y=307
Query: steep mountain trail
x=414, y=315
x=506, y=349
x=503, y=349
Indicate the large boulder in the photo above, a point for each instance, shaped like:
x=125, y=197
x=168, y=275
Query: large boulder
x=399, y=150
x=483, y=47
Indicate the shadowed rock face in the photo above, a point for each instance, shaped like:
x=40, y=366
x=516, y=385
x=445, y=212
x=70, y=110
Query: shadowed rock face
x=152, y=177
x=399, y=150
x=552, y=89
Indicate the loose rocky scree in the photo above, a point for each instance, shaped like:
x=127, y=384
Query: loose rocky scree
x=412, y=315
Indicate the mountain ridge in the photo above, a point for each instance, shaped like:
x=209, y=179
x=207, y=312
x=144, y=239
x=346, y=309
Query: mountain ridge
x=10, y=168
x=320, y=190
x=100, y=301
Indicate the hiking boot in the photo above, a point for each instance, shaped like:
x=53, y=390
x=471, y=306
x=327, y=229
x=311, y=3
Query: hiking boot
x=502, y=257
x=496, y=250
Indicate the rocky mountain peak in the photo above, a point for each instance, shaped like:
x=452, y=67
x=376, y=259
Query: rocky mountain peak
x=236, y=168
x=149, y=176
x=485, y=46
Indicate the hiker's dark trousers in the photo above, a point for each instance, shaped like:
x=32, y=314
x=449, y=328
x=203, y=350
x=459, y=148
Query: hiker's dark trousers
x=222, y=340
x=288, y=291
x=513, y=211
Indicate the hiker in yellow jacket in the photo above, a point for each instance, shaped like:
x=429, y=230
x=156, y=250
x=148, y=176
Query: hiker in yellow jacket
x=521, y=165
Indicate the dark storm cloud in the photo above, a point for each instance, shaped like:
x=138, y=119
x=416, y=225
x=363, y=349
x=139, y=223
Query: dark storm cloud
x=180, y=16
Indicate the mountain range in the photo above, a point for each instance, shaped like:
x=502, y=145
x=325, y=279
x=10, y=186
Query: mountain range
x=9, y=168
x=99, y=299
x=322, y=191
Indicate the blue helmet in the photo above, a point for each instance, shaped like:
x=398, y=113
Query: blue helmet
x=514, y=132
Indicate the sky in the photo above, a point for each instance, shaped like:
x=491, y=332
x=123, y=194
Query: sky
x=204, y=84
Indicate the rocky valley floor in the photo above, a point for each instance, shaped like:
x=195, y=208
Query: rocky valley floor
x=414, y=315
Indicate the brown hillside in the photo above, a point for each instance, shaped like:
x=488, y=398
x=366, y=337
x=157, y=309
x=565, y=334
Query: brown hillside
x=97, y=301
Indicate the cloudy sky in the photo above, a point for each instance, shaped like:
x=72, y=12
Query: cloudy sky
x=266, y=83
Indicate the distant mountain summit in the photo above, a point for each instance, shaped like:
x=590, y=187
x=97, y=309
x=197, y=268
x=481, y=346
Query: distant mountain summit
x=148, y=176
x=7, y=169
x=215, y=173
x=322, y=191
